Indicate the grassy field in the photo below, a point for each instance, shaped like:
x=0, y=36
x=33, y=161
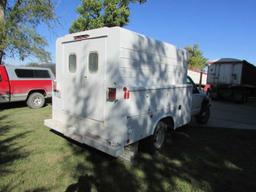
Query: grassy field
x=32, y=158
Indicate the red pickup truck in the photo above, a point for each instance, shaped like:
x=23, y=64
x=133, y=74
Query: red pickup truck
x=29, y=84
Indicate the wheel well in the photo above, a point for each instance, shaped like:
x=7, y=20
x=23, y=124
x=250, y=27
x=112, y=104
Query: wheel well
x=169, y=121
x=205, y=103
x=37, y=91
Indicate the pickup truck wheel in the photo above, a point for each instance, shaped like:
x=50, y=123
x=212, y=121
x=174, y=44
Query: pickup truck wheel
x=36, y=100
x=156, y=141
x=203, y=116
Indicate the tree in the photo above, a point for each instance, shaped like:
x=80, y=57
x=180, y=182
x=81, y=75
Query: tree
x=99, y=13
x=18, y=22
x=196, y=59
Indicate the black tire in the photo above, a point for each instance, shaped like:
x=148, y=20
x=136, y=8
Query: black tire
x=156, y=142
x=36, y=100
x=204, y=115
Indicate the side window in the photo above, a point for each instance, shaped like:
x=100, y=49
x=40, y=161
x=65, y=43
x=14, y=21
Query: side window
x=24, y=73
x=190, y=81
x=41, y=74
x=72, y=63
x=93, y=62
x=0, y=78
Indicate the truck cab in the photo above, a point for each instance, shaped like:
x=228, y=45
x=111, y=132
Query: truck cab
x=200, y=104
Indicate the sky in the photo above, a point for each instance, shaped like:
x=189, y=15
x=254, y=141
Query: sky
x=222, y=28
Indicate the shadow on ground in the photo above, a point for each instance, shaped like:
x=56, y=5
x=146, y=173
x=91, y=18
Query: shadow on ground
x=20, y=104
x=198, y=159
x=195, y=159
x=9, y=150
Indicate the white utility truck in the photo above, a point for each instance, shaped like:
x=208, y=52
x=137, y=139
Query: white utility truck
x=115, y=87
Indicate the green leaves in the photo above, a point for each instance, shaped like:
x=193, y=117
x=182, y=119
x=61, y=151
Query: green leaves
x=196, y=58
x=99, y=13
x=90, y=16
x=19, y=37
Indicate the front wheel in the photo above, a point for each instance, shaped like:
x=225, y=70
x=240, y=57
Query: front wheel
x=36, y=100
x=203, y=116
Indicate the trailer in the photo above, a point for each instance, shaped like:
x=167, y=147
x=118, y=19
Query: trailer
x=115, y=87
x=232, y=79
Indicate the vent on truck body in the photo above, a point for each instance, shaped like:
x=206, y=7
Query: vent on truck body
x=81, y=37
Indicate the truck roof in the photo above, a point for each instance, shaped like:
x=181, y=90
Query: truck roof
x=101, y=32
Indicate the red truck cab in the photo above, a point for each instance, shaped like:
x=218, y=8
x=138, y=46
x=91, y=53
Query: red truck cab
x=29, y=84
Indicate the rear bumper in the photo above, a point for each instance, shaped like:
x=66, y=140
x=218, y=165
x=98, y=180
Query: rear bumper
x=93, y=141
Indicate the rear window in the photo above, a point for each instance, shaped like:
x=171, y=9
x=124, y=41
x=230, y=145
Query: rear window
x=93, y=62
x=72, y=63
x=30, y=73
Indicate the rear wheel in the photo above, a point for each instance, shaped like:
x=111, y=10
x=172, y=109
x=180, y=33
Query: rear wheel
x=156, y=141
x=36, y=100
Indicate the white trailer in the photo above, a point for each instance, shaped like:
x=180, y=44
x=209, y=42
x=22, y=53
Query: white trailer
x=115, y=87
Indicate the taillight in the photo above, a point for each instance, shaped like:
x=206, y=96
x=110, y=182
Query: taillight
x=111, y=94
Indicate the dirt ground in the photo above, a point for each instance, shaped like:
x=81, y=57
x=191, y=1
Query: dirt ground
x=226, y=114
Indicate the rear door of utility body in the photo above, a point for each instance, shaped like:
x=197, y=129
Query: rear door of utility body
x=83, y=81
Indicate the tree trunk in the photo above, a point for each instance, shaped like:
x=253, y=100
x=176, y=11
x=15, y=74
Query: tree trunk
x=2, y=21
x=2, y=9
x=1, y=56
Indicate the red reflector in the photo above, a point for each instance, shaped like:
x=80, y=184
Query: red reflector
x=111, y=94
x=126, y=93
